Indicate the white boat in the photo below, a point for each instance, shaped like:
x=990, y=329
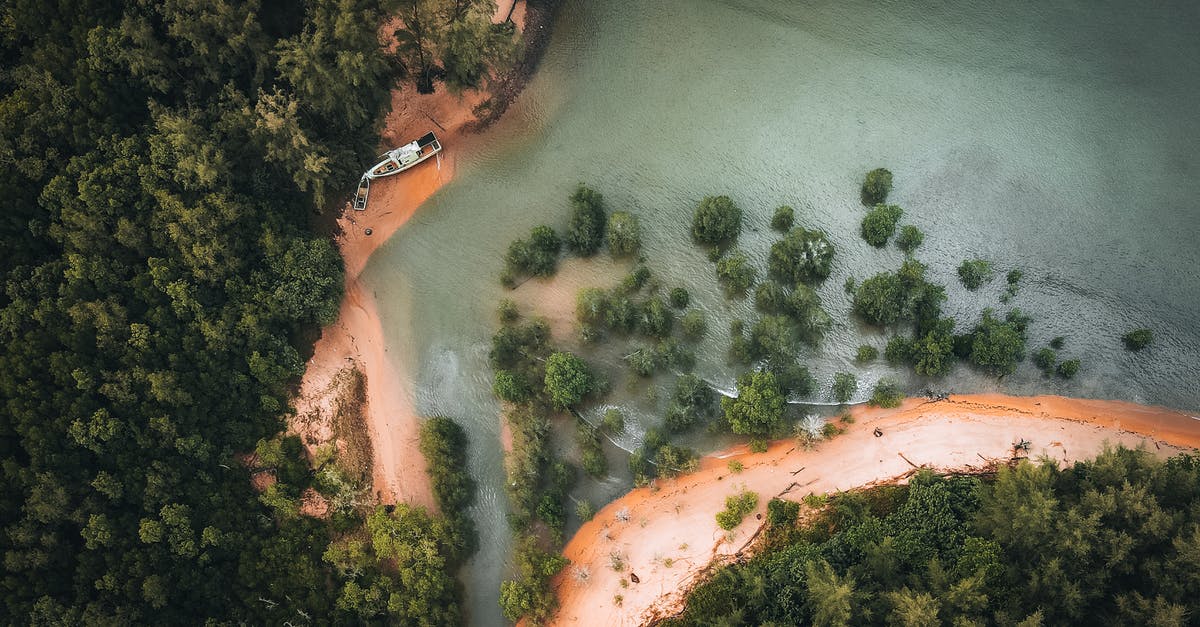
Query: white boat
x=396, y=161
x=400, y=159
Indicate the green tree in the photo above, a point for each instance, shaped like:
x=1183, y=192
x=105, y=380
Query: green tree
x=997, y=346
x=586, y=233
x=783, y=219
x=876, y=187
x=973, y=273
x=567, y=379
x=624, y=234
x=909, y=239
x=757, y=411
x=886, y=394
x=717, y=220
x=1138, y=339
x=845, y=384
x=802, y=256
x=880, y=223
x=736, y=274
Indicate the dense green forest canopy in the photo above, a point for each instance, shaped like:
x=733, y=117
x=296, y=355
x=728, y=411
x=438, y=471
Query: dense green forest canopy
x=161, y=286
x=1115, y=540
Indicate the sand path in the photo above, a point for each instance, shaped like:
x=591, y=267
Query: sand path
x=646, y=527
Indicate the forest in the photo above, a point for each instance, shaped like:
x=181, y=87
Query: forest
x=1113, y=540
x=165, y=165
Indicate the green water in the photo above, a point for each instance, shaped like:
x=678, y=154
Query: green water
x=1058, y=138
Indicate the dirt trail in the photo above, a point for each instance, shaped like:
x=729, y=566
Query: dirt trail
x=676, y=522
x=356, y=339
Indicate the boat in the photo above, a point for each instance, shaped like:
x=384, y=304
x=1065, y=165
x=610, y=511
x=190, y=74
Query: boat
x=396, y=161
x=400, y=159
x=360, y=196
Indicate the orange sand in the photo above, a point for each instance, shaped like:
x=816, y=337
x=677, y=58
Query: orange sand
x=676, y=521
x=356, y=338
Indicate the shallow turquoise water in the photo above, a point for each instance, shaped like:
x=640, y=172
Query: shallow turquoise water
x=1058, y=138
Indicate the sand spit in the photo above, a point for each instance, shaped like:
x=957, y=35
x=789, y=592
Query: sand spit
x=674, y=524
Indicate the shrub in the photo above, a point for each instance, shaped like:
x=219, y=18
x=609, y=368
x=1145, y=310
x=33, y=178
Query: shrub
x=758, y=409
x=736, y=508
x=735, y=466
x=845, y=385
x=866, y=354
x=535, y=256
x=770, y=297
x=910, y=238
x=998, y=346
x=591, y=306
x=591, y=451
x=1068, y=368
x=1138, y=339
x=782, y=512
x=973, y=273
x=802, y=256
x=774, y=338
x=933, y=353
x=624, y=234
x=636, y=280
x=507, y=311
x=717, y=220
x=899, y=350
x=673, y=354
x=736, y=274
x=876, y=187
x=783, y=219
x=585, y=510
x=586, y=232
x=644, y=362
x=672, y=461
x=655, y=319
x=1045, y=359
x=512, y=386
x=694, y=325
x=692, y=401
x=886, y=394
x=881, y=299
x=880, y=223
x=613, y=422
x=567, y=379
x=804, y=307
x=1058, y=342
x=679, y=298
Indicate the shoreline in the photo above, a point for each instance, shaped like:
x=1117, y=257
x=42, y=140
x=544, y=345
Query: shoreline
x=357, y=339
x=668, y=535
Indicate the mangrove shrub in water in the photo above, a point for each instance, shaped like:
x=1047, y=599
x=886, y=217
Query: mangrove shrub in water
x=758, y=409
x=876, y=187
x=973, y=273
x=586, y=232
x=909, y=239
x=624, y=234
x=736, y=274
x=880, y=223
x=783, y=219
x=567, y=379
x=802, y=256
x=717, y=220
x=535, y=256
x=1138, y=339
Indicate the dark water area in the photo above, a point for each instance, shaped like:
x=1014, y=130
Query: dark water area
x=1058, y=138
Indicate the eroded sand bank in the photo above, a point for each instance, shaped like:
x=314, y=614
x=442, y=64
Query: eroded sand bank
x=648, y=527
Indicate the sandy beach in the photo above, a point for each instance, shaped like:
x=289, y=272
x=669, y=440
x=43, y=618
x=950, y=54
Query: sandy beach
x=668, y=536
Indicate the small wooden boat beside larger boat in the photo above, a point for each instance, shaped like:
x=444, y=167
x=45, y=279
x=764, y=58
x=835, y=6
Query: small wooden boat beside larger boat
x=396, y=161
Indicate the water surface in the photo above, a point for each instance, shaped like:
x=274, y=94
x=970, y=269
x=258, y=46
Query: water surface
x=1058, y=138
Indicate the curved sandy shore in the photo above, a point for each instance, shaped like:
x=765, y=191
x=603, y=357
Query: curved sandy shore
x=647, y=527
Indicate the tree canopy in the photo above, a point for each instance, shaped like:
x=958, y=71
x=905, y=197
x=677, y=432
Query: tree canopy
x=1107, y=540
x=717, y=220
x=802, y=256
x=757, y=410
